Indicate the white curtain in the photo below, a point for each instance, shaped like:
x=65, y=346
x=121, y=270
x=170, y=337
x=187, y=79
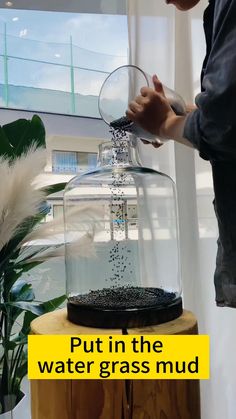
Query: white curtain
x=171, y=44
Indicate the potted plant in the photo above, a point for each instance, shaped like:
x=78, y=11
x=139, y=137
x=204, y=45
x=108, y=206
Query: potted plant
x=22, y=208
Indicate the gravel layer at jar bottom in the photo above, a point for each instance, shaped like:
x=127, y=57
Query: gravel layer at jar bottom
x=123, y=298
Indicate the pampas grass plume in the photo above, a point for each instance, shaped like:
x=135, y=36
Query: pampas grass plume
x=19, y=199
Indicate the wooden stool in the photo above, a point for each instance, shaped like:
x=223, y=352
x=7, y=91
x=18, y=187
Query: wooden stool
x=114, y=399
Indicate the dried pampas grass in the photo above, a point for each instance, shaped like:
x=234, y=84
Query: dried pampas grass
x=90, y=220
x=19, y=199
x=83, y=247
x=88, y=216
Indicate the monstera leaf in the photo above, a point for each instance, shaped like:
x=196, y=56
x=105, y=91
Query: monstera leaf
x=18, y=136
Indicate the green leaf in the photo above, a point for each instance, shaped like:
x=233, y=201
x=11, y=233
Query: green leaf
x=54, y=188
x=22, y=370
x=24, y=133
x=9, y=345
x=25, y=265
x=28, y=266
x=28, y=318
x=34, y=308
x=11, y=279
x=21, y=291
x=18, y=391
x=21, y=339
x=15, y=131
x=51, y=305
x=11, y=312
x=38, y=131
x=5, y=147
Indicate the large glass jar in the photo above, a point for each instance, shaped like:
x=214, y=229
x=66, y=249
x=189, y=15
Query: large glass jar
x=122, y=250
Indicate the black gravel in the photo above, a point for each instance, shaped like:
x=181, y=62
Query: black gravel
x=122, y=298
x=121, y=123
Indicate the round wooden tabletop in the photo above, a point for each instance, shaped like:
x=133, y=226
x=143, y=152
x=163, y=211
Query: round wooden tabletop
x=114, y=399
x=56, y=323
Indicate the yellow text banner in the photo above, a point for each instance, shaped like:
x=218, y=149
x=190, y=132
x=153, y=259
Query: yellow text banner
x=118, y=357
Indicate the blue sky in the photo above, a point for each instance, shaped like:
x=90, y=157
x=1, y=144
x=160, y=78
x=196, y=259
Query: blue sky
x=102, y=33
x=105, y=35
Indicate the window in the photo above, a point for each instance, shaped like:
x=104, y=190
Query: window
x=57, y=211
x=64, y=162
x=132, y=213
x=72, y=161
x=56, y=61
x=86, y=161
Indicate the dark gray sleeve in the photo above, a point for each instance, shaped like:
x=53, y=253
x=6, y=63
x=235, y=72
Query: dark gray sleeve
x=212, y=127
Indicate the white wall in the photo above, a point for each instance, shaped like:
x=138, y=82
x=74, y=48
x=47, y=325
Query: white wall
x=74, y=126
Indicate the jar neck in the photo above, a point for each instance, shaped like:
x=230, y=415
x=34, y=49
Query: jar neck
x=120, y=154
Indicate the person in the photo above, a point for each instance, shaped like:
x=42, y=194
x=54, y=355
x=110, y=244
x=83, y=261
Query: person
x=210, y=128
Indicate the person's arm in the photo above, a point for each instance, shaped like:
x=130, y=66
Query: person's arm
x=211, y=128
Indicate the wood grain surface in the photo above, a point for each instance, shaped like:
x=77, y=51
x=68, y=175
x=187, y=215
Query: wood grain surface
x=114, y=399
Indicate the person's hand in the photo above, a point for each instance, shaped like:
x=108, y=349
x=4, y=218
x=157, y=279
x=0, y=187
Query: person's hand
x=151, y=109
x=190, y=108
